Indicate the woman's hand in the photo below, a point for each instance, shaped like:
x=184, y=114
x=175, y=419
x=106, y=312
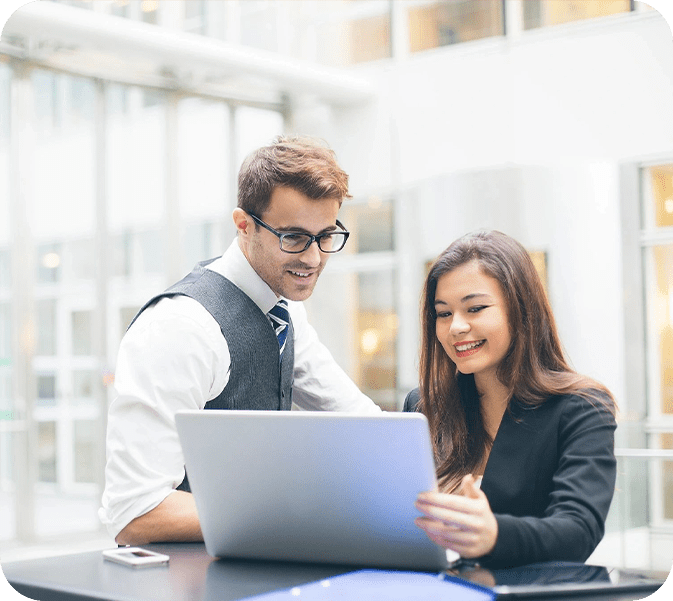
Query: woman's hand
x=462, y=522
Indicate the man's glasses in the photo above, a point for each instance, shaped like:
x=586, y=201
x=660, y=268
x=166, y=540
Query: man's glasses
x=296, y=242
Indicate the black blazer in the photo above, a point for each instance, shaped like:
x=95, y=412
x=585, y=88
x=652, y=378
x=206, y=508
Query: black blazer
x=549, y=479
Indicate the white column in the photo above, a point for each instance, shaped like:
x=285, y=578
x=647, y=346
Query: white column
x=172, y=222
x=24, y=332
x=399, y=30
x=513, y=19
x=232, y=21
x=100, y=316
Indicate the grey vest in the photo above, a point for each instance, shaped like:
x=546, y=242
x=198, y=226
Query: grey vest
x=258, y=380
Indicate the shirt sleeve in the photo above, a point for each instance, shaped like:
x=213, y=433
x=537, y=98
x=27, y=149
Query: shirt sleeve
x=582, y=488
x=319, y=382
x=174, y=357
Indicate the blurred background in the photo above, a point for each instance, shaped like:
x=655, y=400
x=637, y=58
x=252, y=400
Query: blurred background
x=122, y=127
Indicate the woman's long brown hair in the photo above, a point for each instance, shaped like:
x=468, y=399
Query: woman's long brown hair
x=533, y=369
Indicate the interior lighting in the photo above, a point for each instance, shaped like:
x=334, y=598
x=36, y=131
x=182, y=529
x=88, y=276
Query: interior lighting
x=121, y=2
x=148, y=6
x=51, y=260
x=668, y=205
x=670, y=305
x=370, y=341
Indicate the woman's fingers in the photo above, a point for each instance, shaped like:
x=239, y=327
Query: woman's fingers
x=462, y=522
x=450, y=517
x=455, y=502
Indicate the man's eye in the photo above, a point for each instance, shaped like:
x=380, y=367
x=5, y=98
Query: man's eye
x=294, y=239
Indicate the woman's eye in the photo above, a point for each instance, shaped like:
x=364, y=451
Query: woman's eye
x=443, y=314
x=476, y=309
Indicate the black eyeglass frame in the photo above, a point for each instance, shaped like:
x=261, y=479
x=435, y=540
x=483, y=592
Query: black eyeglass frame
x=310, y=237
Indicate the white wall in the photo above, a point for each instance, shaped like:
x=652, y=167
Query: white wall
x=524, y=135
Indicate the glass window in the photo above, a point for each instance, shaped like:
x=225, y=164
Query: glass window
x=149, y=10
x=49, y=263
x=205, y=190
x=195, y=16
x=259, y=24
x=85, y=448
x=539, y=258
x=82, y=335
x=150, y=251
x=81, y=100
x=6, y=475
x=5, y=334
x=255, y=128
x=660, y=318
x=77, y=3
x=65, y=159
x=46, y=451
x=83, y=386
x=5, y=226
x=7, y=500
x=46, y=390
x=46, y=326
x=5, y=81
x=198, y=244
x=356, y=31
x=361, y=331
x=120, y=8
x=657, y=239
x=120, y=251
x=447, y=22
x=5, y=269
x=539, y=13
x=82, y=259
x=44, y=86
x=661, y=182
x=152, y=97
x=667, y=479
x=371, y=226
x=6, y=396
x=369, y=38
x=136, y=163
x=658, y=217
x=377, y=336
x=126, y=315
x=117, y=99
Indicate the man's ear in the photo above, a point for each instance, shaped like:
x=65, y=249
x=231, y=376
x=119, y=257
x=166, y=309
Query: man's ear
x=242, y=221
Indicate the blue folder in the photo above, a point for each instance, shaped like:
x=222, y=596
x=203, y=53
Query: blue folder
x=382, y=585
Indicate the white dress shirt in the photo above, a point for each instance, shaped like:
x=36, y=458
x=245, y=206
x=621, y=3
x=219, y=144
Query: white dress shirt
x=175, y=357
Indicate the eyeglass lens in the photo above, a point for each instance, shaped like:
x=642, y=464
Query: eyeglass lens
x=326, y=242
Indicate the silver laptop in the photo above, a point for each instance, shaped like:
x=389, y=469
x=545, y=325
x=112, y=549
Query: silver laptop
x=311, y=486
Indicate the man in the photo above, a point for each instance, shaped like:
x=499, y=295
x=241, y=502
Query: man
x=221, y=338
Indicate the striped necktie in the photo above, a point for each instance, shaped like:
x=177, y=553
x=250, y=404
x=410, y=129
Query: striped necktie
x=280, y=319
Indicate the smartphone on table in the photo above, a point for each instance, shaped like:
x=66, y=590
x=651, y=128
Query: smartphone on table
x=135, y=557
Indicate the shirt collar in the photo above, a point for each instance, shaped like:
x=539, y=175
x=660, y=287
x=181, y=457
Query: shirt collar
x=234, y=266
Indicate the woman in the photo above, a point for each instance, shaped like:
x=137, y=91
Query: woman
x=503, y=404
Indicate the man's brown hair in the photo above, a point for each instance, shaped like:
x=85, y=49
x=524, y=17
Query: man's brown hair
x=303, y=163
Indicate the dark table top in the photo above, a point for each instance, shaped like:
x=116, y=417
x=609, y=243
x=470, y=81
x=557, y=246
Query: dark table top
x=192, y=575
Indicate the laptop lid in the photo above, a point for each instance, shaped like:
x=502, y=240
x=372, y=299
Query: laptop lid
x=311, y=486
